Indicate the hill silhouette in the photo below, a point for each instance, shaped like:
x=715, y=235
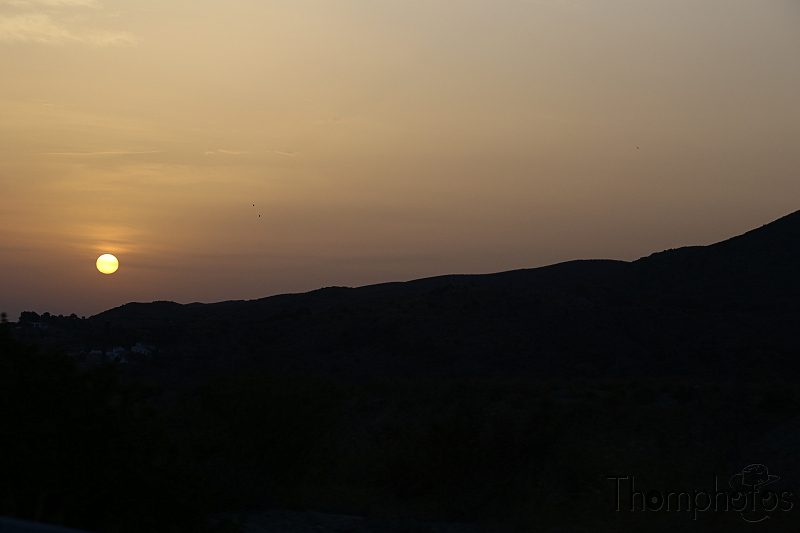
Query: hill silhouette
x=701, y=310
x=759, y=267
x=756, y=270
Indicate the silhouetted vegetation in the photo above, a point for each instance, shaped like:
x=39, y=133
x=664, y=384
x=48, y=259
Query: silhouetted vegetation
x=83, y=450
x=514, y=453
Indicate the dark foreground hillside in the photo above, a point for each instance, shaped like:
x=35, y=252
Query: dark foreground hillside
x=525, y=401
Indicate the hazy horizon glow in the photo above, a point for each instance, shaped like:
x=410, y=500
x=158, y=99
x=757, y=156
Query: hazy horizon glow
x=379, y=141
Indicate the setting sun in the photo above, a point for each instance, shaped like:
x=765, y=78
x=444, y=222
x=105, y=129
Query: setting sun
x=107, y=264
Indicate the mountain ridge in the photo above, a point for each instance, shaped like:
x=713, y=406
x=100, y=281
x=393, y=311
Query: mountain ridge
x=702, y=273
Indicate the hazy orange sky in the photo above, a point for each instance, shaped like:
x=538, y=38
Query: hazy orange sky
x=378, y=140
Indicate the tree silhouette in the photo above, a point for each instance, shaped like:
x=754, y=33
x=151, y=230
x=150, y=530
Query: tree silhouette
x=83, y=450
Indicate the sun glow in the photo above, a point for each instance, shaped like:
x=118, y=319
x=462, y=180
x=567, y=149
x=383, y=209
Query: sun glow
x=107, y=264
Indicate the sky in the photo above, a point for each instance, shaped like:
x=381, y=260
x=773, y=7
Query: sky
x=240, y=149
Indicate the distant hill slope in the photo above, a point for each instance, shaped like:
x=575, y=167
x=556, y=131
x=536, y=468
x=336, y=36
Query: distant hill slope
x=757, y=270
x=703, y=310
x=555, y=278
x=760, y=267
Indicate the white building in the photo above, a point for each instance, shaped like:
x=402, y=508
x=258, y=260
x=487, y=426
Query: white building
x=144, y=349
